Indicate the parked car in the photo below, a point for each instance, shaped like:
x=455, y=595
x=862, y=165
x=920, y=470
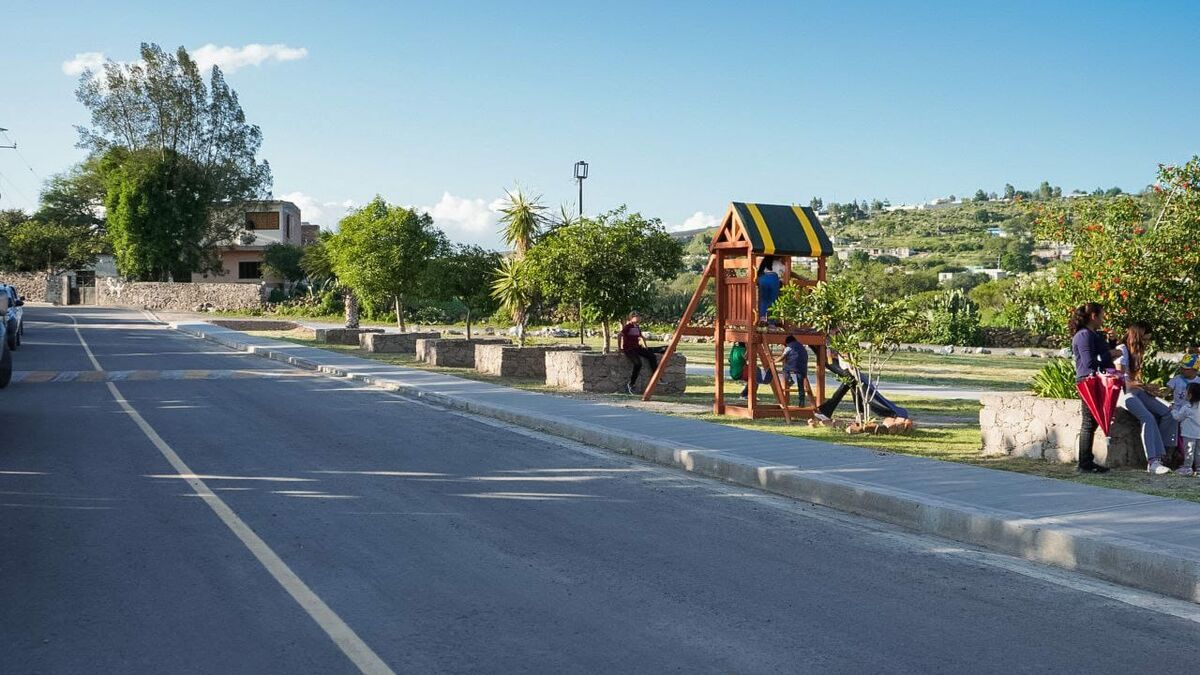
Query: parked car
x=15, y=316
x=5, y=352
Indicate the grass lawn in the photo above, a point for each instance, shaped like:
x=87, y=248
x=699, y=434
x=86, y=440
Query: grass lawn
x=946, y=429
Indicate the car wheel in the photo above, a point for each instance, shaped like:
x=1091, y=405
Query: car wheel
x=5, y=366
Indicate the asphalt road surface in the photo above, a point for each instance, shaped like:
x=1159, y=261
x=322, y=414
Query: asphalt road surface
x=167, y=506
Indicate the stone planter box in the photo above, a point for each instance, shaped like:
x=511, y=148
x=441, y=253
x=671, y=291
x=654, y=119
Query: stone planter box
x=393, y=343
x=1024, y=425
x=343, y=336
x=608, y=373
x=450, y=353
x=505, y=360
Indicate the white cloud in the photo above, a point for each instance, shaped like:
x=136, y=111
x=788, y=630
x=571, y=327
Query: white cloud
x=83, y=62
x=695, y=221
x=313, y=210
x=473, y=221
x=230, y=59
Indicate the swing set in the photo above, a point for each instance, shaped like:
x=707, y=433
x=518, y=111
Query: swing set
x=750, y=233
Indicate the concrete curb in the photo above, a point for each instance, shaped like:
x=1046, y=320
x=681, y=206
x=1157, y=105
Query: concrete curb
x=1131, y=563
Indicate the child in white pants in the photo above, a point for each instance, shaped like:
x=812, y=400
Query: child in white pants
x=1186, y=410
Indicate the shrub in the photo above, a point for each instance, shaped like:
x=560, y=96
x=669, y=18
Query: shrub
x=954, y=320
x=1056, y=379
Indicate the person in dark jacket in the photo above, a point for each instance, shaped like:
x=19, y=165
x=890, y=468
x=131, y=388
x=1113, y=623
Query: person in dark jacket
x=1093, y=355
x=633, y=345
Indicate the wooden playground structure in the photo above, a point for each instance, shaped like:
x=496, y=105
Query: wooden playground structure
x=748, y=234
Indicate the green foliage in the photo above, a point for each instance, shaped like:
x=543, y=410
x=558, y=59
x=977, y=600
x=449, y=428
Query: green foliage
x=954, y=320
x=513, y=287
x=465, y=275
x=157, y=207
x=865, y=332
x=192, y=162
x=283, y=261
x=1137, y=257
x=1159, y=371
x=611, y=265
x=381, y=252
x=522, y=219
x=1056, y=379
x=316, y=263
x=33, y=244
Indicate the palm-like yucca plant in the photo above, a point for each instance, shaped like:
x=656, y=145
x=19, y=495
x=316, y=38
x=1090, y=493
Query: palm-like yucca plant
x=513, y=288
x=522, y=219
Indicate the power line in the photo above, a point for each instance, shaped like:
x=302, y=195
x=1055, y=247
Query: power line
x=18, y=151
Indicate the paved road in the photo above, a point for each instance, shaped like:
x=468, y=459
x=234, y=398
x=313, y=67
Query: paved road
x=191, y=509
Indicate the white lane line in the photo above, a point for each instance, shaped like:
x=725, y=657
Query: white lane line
x=342, y=635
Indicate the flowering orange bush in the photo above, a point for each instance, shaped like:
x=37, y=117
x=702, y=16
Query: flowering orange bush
x=1138, y=256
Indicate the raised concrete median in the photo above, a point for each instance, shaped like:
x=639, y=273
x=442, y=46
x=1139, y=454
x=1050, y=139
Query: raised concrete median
x=1134, y=539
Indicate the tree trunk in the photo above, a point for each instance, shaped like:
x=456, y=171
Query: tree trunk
x=607, y=337
x=400, y=313
x=468, y=323
x=351, y=302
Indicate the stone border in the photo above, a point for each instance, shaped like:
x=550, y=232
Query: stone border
x=393, y=343
x=1024, y=425
x=528, y=362
x=609, y=373
x=452, y=353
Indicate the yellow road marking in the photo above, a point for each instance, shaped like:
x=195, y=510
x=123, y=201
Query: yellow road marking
x=342, y=635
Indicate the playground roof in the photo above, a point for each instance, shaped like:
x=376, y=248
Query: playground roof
x=775, y=229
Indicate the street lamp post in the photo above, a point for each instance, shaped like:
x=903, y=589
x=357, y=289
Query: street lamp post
x=581, y=169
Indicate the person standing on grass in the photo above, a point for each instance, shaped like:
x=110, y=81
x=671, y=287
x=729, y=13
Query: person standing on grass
x=1186, y=411
x=633, y=345
x=1092, y=355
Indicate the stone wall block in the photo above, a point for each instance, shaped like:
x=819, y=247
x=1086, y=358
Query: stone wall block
x=393, y=343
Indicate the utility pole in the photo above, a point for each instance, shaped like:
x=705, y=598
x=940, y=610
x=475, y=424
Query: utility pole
x=8, y=147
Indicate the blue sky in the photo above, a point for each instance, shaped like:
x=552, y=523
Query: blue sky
x=679, y=107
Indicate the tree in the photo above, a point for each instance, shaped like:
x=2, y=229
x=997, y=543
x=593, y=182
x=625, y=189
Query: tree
x=36, y=245
x=866, y=333
x=816, y=203
x=981, y=196
x=75, y=197
x=284, y=261
x=188, y=140
x=157, y=208
x=381, y=252
x=465, y=275
x=1009, y=191
x=522, y=221
x=610, y=264
x=1141, y=265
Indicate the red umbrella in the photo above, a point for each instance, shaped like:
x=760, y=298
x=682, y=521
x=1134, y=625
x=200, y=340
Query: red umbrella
x=1100, y=394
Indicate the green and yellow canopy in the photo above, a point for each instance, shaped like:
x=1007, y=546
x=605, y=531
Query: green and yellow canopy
x=774, y=229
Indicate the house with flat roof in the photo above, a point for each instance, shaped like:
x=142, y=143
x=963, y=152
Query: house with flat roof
x=267, y=222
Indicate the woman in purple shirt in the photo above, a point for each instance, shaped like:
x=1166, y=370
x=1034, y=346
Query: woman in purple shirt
x=1092, y=355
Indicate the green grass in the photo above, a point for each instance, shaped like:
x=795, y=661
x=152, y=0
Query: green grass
x=946, y=429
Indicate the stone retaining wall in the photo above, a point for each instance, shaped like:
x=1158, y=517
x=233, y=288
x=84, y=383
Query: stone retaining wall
x=451, y=353
x=35, y=286
x=178, y=297
x=512, y=361
x=343, y=336
x=1024, y=425
x=608, y=373
x=255, y=324
x=393, y=343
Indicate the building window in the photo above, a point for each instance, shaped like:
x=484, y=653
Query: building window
x=250, y=269
x=287, y=225
x=262, y=220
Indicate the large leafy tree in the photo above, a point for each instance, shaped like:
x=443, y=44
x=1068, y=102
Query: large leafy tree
x=611, y=265
x=1138, y=257
x=192, y=135
x=381, y=252
x=32, y=244
x=158, y=215
x=466, y=275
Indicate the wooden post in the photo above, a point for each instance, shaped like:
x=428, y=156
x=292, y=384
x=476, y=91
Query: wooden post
x=776, y=385
x=687, y=316
x=752, y=336
x=719, y=333
x=823, y=352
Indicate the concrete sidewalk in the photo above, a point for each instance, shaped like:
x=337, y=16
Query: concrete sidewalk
x=1134, y=539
